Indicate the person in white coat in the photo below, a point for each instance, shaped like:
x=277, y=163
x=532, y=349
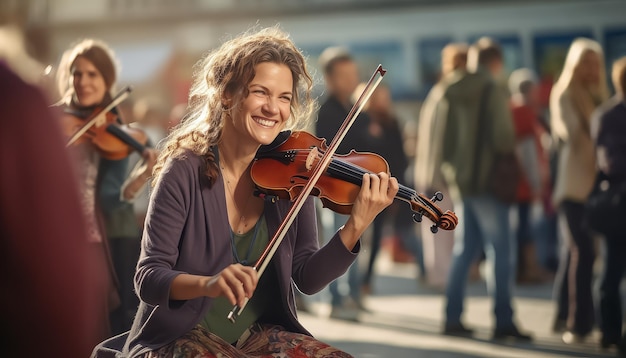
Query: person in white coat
x=580, y=89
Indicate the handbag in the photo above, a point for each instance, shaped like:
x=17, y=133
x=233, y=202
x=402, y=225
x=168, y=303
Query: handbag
x=605, y=209
x=505, y=171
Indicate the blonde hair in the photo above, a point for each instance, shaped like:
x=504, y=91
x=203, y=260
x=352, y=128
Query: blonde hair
x=585, y=100
x=453, y=57
x=577, y=49
x=618, y=75
x=227, y=71
x=99, y=54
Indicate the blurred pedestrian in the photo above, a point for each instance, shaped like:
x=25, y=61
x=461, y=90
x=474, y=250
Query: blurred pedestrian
x=428, y=176
x=385, y=129
x=467, y=166
x=535, y=180
x=341, y=77
x=580, y=89
x=609, y=132
x=50, y=275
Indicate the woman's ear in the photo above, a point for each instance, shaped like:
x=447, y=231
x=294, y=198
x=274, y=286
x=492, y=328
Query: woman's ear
x=227, y=100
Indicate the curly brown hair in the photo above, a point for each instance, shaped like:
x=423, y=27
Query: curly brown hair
x=229, y=70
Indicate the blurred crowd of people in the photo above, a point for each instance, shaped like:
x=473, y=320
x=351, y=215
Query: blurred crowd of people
x=518, y=169
x=473, y=122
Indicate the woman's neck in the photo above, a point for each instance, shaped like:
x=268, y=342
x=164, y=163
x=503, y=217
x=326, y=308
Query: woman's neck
x=235, y=155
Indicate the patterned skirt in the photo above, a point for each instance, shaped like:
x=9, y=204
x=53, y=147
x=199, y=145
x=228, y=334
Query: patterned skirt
x=264, y=341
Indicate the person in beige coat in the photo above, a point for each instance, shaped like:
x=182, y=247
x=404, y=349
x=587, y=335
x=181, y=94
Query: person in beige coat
x=580, y=88
x=428, y=177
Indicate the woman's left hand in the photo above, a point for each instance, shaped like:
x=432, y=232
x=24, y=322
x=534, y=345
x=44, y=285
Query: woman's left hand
x=150, y=158
x=377, y=192
x=140, y=178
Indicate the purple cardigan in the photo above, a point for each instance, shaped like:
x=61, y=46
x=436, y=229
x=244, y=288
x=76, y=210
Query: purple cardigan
x=187, y=231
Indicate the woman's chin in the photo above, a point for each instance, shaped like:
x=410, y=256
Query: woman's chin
x=266, y=135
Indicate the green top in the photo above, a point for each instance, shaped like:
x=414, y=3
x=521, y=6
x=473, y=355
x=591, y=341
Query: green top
x=249, y=247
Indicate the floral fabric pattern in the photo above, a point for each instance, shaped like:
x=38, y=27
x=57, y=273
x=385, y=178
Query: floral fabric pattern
x=265, y=341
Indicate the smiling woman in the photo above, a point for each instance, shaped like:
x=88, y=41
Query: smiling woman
x=88, y=83
x=205, y=225
x=86, y=77
x=256, y=120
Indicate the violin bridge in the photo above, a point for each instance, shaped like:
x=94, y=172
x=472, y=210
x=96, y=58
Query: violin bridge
x=310, y=159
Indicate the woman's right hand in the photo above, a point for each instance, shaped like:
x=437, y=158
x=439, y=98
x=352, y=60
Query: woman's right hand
x=377, y=192
x=236, y=282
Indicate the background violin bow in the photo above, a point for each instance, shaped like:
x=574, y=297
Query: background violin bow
x=119, y=98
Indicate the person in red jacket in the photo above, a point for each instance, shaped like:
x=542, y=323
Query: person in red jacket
x=534, y=183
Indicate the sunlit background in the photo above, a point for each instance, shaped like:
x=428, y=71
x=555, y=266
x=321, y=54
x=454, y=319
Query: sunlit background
x=157, y=41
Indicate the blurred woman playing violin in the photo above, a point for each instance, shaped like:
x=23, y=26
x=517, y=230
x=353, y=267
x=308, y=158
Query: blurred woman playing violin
x=205, y=226
x=86, y=78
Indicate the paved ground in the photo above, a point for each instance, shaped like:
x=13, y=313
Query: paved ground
x=405, y=320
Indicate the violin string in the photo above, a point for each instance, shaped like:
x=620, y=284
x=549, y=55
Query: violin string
x=355, y=173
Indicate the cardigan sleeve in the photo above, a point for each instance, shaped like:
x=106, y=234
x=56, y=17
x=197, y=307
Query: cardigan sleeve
x=167, y=212
x=313, y=269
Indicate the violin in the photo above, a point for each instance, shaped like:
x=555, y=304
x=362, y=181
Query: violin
x=101, y=127
x=283, y=169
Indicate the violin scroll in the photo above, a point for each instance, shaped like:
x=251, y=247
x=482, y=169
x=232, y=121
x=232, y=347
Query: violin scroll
x=423, y=206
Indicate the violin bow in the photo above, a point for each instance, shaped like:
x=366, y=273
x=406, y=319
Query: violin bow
x=321, y=166
x=119, y=98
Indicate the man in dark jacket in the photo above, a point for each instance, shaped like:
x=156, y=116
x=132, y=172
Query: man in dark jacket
x=342, y=77
x=609, y=131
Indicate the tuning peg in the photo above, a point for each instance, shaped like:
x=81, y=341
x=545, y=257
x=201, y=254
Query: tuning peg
x=417, y=217
x=434, y=229
x=437, y=197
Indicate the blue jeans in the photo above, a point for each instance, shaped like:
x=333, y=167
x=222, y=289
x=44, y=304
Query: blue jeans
x=548, y=242
x=485, y=223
